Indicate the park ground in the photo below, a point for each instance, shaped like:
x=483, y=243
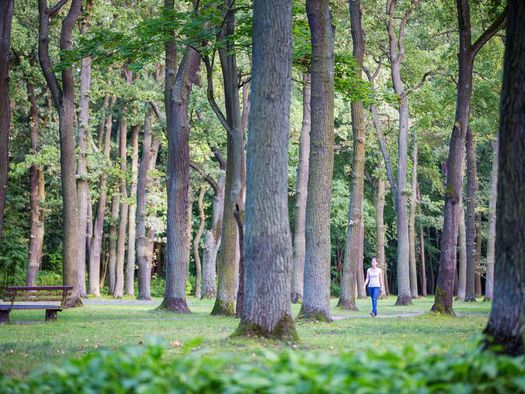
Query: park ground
x=28, y=343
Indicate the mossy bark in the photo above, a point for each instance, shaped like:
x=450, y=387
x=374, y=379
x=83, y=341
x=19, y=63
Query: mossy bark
x=441, y=305
x=284, y=329
x=174, y=305
x=223, y=308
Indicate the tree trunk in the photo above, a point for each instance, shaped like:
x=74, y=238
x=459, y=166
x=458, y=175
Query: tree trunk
x=123, y=218
x=64, y=101
x=227, y=260
x=212, y=242
x=98, y=228
x=301, y=189
x=423, y=264
x=6, y=16
x=37, y=194
x=466, y=55
x=477, y=260
x=316, y=299
x=505, y=326
x=396, y=59
x=82, y=162
x=412, y=226
x=491, y=238
x=462, y=244
x=470, y=222
x=196, y=241
x=144, y=272
x=380, y=234
x=178, y=179
x=241, y=289
x=267, y=308
x=132, y=212
x=113, y=237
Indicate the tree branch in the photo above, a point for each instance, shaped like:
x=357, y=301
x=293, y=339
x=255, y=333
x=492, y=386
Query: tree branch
x=219, y=157
x=51, y=12
x=489, y=33
x=205, y=176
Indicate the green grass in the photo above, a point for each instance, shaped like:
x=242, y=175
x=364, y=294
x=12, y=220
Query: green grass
x=27, y=346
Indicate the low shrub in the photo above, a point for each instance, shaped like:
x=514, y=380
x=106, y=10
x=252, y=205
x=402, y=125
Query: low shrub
x=145, y=369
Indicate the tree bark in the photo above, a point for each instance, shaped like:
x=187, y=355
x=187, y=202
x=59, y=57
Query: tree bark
x=178, y=172
x=82, y=162
x=467, y=52
x=414, y=293
x=470, y=221
x=63, y=98
x=227, y=259
x=113, y=238
x=397, y=53
x=196, y=241
x=6, y=16
x=267, y=307
x=380, y=234
x=37, y=193
x=477, y=260
x=505, y=325
x=491, y=238
x=132, y=212
x=301, y=190
x=98, y=227
x=462, y=244
x=316, y=298
x=423, y=263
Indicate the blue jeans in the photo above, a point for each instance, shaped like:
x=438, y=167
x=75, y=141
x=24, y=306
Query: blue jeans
x=374, y=294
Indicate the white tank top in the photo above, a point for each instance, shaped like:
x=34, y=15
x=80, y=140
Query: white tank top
x=373, y=276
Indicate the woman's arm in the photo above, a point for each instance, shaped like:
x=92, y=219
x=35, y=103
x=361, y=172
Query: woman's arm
x=367, y=279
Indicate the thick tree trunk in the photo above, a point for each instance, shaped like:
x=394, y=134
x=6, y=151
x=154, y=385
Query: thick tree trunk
x=412, y=227
x=196, y=241
x=6, y=16
x=301, y=189
x=241, y=289
x=132, y=212
x=396, y=58
x=470, y=221
x=316, y=298
x=423, y=263
x=64, y=101
x=98, y=227
x=462, y=245
x=380, y=234
x=212, y=242
x=178, y=179
x=228, y=258
x=37, y=194
x=466, y=55
x=491, y=237
x=267, y=307
x=82, y=162
x=505, y=326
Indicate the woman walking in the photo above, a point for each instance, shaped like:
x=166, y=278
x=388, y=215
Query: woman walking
x=373, y=279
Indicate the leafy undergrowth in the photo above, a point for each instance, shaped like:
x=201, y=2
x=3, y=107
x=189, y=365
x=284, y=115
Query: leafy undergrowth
x=146, y=369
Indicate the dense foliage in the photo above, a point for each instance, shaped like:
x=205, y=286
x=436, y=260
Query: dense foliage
x=147, y=369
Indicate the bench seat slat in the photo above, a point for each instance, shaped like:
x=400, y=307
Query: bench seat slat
x=24, y=307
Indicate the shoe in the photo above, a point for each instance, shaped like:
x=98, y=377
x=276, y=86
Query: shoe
x=372, y=314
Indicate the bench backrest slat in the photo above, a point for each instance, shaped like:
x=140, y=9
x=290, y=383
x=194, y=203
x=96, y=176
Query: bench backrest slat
x=14, y=294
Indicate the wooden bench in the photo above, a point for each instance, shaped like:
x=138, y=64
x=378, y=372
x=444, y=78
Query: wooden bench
x=35, y=295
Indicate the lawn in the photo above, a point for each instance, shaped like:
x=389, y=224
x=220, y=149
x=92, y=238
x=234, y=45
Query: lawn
x=28, y=343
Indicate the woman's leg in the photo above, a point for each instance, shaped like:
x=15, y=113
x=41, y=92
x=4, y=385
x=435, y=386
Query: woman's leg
x=374, y=293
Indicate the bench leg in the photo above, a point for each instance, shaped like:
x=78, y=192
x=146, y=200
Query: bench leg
x=51, y=315
x=4, y=316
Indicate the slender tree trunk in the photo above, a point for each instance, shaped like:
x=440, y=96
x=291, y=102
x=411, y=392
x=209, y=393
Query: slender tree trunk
x=477, y=260
x=300, y=192
x=361, y=291
x=241, y=290
x=132, y=212
x=196, y=241
x=6, y=16
x=37, y=194
x=412, y=227
x=505, y=326
x=316, y=298
x=267, y=307
x=423, y=263
x=380, y=234
x=178, y=179
x=64, y=101
x=144, y=272
x=462, y=245
x=467, y=52
x=397, y=53
x=82, y=162
x=98, y=228
x=470, y=222
x=227, y=259
x=212, y=242
x=491, y=238
x=113, y=244
x=123, y=217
